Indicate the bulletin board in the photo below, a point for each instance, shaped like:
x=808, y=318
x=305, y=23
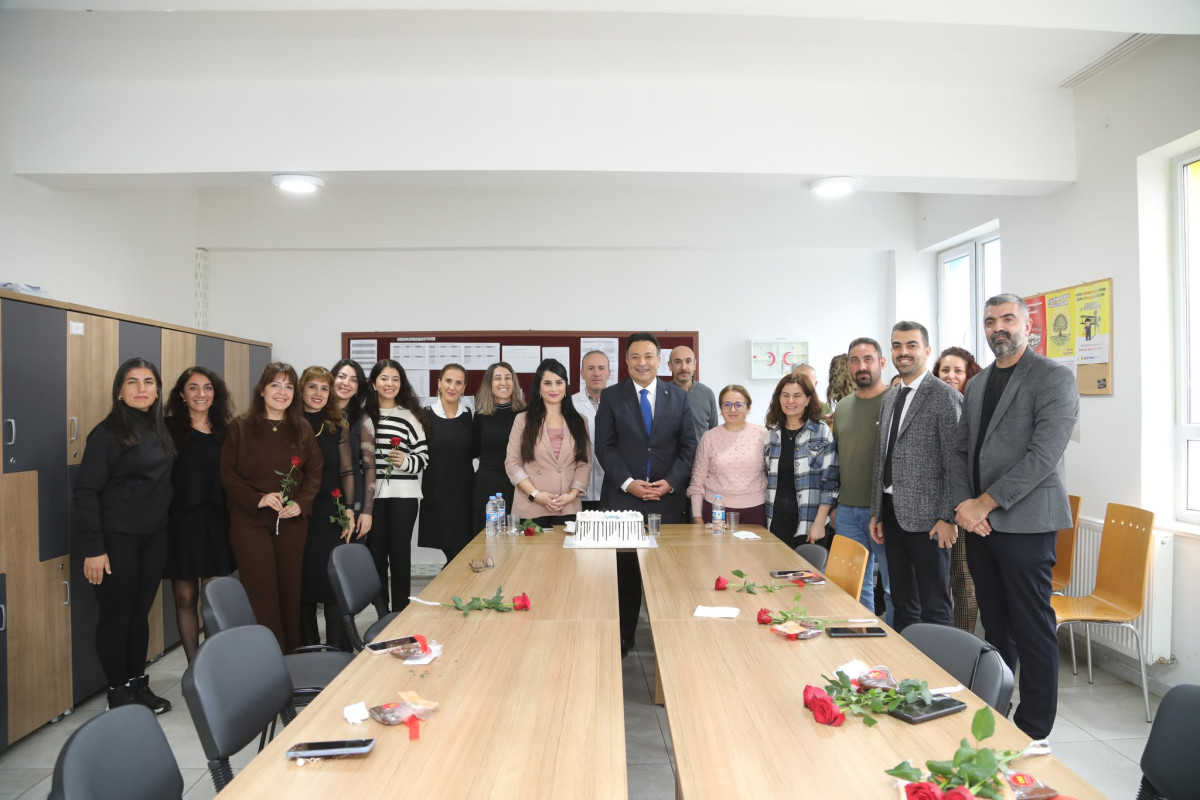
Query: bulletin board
x=424, y=353
x=1074, y=326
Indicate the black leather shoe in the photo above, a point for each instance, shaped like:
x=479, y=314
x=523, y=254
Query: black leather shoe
x=626, y=646
x=139, y=688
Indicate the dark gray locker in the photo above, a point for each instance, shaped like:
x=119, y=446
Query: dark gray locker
x=259, y=358
x=136, y=340
x=210, y=353
x=87, y=677
x=3, y=661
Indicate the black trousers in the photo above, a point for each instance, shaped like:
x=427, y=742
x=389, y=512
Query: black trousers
x=124, y=599
x=1012, y=586
x=390, y=542
x=629, y=593
x=919, y=571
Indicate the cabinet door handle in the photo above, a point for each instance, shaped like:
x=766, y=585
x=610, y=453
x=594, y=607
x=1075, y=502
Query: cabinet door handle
x=3, y=617
x=74, y=429
x=12, y=439
x=68, y=585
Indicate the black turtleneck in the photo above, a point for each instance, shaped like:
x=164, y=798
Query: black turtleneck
x=122, y=488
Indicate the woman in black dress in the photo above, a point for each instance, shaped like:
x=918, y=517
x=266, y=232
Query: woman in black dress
x=122, y=497
x=446, y=489
x=496, y=405
x=324, y=531
x=198, y=414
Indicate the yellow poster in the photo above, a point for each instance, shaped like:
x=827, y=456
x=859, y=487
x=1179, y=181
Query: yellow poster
x=1092, y=325
x=1060, y=326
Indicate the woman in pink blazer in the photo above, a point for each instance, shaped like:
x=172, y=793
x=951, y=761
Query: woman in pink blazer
x=548, y=458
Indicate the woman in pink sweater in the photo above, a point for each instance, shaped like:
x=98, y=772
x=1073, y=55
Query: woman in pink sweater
x=729, y=462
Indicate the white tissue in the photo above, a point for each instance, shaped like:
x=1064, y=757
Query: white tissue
x=356, y=714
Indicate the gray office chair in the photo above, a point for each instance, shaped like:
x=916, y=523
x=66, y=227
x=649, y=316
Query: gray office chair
x=814, y=554
x=1168, y=768
x=226, y=606
x=120, y=755
x=356, y=585
x=973, y=662
x=235, y=687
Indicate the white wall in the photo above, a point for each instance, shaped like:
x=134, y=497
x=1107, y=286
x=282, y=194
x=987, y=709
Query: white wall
x=129, y=251
x=1126, y=119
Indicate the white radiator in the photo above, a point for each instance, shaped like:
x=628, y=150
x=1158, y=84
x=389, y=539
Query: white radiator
x=1155, y=622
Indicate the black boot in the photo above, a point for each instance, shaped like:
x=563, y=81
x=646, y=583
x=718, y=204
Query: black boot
x=309, y=633
x=139, y=688
x=335, y=628
x=120, y=696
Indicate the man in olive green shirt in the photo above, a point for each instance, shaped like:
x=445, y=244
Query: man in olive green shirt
x=856, y=433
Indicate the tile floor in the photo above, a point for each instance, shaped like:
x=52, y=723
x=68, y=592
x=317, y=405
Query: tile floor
x=1100, y=733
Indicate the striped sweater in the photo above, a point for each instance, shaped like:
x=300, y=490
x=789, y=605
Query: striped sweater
x=405, y=481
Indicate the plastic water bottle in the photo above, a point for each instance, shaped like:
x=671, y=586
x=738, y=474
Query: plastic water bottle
x=491, y=528
x=718, y=516
x=501, y=514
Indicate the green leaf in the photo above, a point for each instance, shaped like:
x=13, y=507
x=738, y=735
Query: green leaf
x=905, y=772
x=943, y=768
x=963, y=754
x=749, y=588
x=869, y=721
x=984, y=724
x=926, y=695
x=987, y=758
x=976, y=773
x=458, y=603
x=737, y=573
x=498, y=596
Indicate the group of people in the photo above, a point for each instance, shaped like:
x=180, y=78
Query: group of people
x=182, y=488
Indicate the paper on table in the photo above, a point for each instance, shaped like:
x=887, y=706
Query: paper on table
x=746, y=535
x=435, y=650
x=717, y=612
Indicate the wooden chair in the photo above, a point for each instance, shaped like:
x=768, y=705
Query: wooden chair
x=1064, y=561
x=847, y=565
x=1122, y=573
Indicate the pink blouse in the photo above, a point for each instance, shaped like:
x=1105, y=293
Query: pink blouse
x=732, y=464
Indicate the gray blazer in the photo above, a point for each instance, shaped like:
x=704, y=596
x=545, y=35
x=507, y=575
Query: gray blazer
x=921, y=461
x=1021, y=463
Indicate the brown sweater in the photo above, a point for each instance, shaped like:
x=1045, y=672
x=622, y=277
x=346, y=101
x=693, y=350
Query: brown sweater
x=249, y=458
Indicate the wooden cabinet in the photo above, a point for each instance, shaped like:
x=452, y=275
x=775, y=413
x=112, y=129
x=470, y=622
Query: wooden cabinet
x=92, y=360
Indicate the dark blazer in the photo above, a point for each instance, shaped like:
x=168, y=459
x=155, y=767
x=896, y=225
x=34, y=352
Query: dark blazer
x=1022, y=462
x=922, y=458
x=622, y=446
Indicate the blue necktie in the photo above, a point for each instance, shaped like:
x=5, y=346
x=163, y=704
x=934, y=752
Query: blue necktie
x=648, y=419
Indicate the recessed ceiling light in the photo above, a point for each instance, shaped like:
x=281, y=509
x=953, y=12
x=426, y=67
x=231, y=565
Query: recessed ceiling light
x=298, y=184
x=833, y=186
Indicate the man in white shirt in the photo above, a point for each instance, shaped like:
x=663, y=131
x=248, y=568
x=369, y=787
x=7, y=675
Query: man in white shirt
x=593, y=373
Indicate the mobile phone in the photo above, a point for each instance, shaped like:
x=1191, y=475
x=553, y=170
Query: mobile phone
x=342, y=747
x=786, y=573
x=838, y=633
x=914, y=713
x=407, y=645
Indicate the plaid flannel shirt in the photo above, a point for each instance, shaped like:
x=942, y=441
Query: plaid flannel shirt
x=816, y=465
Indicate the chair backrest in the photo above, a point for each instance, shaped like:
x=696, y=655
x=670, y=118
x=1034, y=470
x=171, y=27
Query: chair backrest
x=1064, y=561
x=1167, y=759
x=1123, y=567
x=225, y=605
x=847, y=565
x=973, y=662
x=814, y=554
x=355, y=581
x=120, y=755
x=235, y=686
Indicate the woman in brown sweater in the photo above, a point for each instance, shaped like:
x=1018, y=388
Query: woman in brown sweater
x=271, y=471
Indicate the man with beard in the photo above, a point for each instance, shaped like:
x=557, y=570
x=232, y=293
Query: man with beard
x=856, y=434
x=1009, y=487
x=700, y=398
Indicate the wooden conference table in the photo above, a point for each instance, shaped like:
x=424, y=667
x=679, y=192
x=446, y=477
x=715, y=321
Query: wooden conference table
x=531, y=702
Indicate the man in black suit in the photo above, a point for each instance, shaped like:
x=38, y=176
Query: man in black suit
x=646, y=442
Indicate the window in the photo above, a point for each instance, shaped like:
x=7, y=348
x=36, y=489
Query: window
x=1188, y=336
x=967, y=276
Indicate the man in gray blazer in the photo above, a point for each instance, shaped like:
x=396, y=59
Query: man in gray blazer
x=1009, y=486
x=911, y=511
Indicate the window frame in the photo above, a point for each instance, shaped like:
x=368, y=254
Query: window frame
x=1186, y=271
x=973, y=250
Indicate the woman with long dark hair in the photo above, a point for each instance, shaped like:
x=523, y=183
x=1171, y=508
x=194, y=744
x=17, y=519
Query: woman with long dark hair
x=271, y=470
x=198, y=414
x=397, y=425
x=801, y=461
x=496, y=405
x=332, y=431
x=122, y=502
x=447, y=487
x=549, y=459
x=350, y=396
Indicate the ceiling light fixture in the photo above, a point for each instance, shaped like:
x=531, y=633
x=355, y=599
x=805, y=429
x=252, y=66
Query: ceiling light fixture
x=298, y=184
x=833, y=186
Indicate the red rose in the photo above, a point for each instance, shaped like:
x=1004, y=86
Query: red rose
x=336, y=493
x=922, y=791
x=521, y=602
x=811, y=693
x=721, y=583
x=530, y=531
x=826, y=712
x=957, y=793
x=765, y=617
x=395, y=441
x=296, y=461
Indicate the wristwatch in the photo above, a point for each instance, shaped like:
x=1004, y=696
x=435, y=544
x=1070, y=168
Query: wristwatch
x=533, y=495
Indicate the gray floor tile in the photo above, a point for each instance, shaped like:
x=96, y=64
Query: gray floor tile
x=651, y=782
x=40, y=790
x=1065, y=731
x=1130, y=748
x=14, y=782
x=1107, y=712
x=644, y=741
x=1113, y=775
x=665, y=726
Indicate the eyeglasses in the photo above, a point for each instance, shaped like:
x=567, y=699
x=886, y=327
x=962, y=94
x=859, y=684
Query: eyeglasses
x=480, y=564
x=733, y=406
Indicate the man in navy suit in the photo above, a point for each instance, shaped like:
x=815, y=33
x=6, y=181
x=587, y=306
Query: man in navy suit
x=646, y=442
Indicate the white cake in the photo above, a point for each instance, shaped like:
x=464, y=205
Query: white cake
x=610, y=527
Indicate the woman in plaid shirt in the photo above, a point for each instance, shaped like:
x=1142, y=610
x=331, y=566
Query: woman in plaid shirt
x=801, y=461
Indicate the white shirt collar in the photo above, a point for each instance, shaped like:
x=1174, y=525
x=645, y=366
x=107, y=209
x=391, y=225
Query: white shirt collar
x=436, y=408
x=916, y=384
